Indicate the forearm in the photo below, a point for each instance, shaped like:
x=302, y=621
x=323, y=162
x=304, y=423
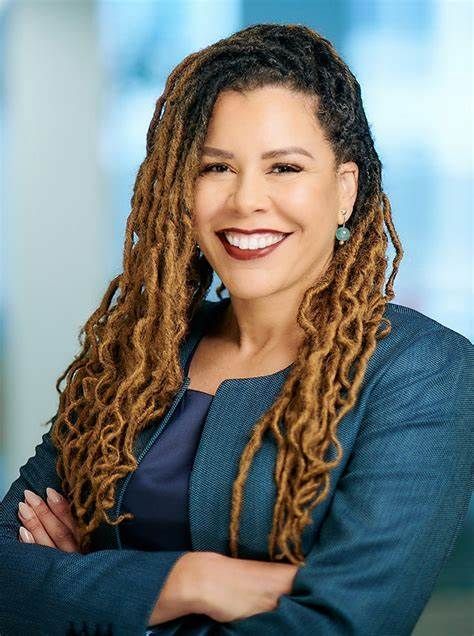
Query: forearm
x=113, y=589
x=184, y=590
x=221, y=587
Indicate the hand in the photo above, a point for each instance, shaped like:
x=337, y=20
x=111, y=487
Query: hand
x=178, y=594
x=49, y=524
x=233, y=588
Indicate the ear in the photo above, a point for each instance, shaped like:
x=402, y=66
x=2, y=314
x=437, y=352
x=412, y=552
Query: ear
x=347, y=178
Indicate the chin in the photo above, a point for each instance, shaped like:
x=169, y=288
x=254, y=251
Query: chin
x=248, y=291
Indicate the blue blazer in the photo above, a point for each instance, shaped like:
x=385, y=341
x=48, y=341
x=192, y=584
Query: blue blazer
x=378, y=542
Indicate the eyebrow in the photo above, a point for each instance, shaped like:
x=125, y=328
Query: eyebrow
x=291, y=150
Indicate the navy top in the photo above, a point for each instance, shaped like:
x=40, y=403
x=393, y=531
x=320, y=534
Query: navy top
x=157, y=493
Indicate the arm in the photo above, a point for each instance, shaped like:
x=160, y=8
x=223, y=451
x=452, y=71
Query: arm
x=237, y=587
x=182, y=593
x=229, y=588
x=46, y=591
x=76, y=592
x=398, y=507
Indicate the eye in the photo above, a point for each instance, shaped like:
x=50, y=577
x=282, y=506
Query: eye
x=287, y=165
x=209, y=167
x=287, y=168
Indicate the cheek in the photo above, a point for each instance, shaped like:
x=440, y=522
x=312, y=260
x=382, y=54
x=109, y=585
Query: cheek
x=204, y=204
x=306, y=192
x=309, y=206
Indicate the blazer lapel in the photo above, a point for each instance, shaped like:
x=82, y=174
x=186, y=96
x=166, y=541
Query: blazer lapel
x=234, y=411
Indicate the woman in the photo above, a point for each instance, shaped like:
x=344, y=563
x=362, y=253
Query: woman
x=327, y=460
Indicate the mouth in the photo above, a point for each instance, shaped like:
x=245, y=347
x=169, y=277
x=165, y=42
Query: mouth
x=245, y=254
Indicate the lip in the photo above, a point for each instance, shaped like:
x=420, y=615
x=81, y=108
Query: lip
x=245, y=255
x=256, y=231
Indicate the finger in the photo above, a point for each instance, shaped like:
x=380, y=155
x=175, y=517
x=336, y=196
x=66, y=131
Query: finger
x=58, y=531
x=62, y=509
x=34, y=525
x=25, y=536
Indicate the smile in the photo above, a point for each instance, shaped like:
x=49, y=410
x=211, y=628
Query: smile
x=245, y=254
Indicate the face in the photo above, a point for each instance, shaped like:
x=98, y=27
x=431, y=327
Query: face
x=245, y=184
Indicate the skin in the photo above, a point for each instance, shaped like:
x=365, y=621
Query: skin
x=210, y=583
x=249, y=192
x=49, y=524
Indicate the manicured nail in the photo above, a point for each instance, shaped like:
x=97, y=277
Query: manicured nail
x=26, y=536
x=32, y=498
x=54, y=496
x=25, y=512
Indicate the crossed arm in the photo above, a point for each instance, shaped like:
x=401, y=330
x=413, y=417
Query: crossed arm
x=208, y=583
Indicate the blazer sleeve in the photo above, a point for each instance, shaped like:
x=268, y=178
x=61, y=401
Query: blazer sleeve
x=398, y=507
x=44, y=591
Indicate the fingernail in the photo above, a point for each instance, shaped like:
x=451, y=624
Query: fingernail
x=32, y=498
x=53, y=495
x=25, y=511
x=25, y=535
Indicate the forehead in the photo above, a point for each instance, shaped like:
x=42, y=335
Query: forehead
x=270, y=112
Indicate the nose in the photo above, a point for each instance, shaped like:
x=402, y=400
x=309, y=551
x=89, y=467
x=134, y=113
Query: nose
x=250, y=193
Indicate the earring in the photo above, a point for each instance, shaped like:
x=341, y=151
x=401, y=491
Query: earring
x=343, y=233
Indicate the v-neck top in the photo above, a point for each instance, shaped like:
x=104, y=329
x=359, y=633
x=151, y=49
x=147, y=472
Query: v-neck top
x=157, y=493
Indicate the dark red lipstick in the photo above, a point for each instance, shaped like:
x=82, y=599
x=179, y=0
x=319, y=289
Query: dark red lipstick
x=247, y=254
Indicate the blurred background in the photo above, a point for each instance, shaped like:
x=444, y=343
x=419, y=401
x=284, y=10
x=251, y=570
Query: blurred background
x=78, y=86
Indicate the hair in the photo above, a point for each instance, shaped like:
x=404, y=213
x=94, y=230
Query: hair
x=128, y=370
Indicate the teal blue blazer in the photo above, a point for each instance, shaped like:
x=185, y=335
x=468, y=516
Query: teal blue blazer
x=377, y=543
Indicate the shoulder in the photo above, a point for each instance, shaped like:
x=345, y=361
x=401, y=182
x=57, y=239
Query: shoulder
x=411, y=325
x=416, y=336
x=426, y=365
x=417, y=404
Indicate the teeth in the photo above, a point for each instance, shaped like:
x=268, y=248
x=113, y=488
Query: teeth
x=252, y=241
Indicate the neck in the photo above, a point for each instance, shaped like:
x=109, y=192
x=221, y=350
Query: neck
x=260, y=326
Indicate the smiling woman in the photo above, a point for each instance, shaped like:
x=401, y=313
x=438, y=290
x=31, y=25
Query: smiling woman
x=278, y=424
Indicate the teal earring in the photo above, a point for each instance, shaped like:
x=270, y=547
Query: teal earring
x=342, y=233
